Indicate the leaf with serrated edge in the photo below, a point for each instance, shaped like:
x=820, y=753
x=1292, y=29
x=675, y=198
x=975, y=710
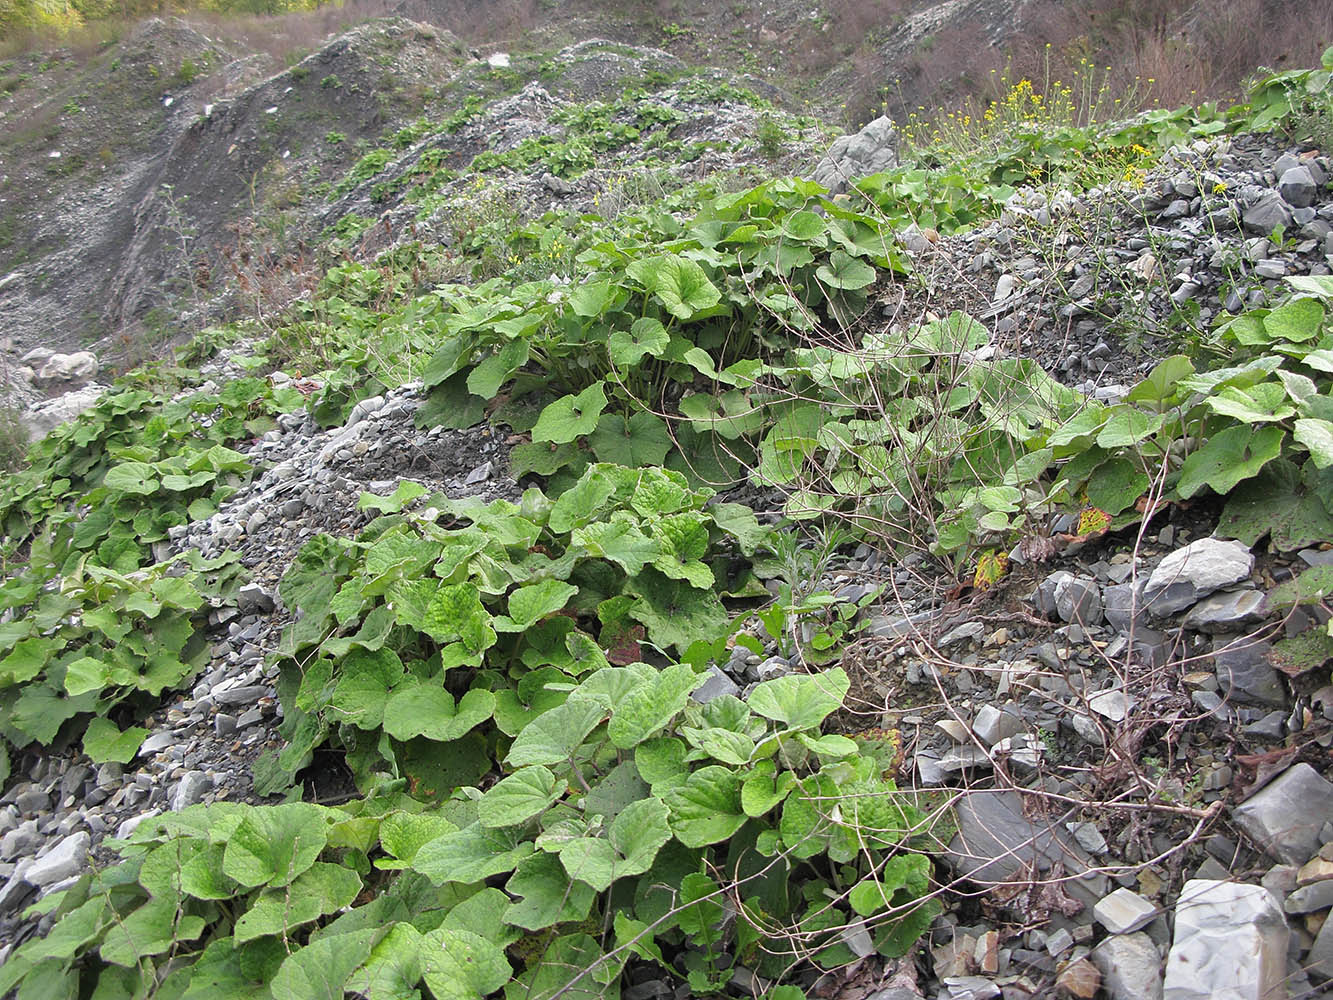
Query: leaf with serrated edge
x=800, y=701
x=707, y=808
x=518, y=798
x=650, y=708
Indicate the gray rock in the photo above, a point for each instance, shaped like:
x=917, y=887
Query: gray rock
x=1122, y=605
x=1297, y=187
x=1043, y=598
x=241, y=695
x=22, y=841
x=993, y=724
x=1230, y=942
x=67, y=858
x=557, y=185
x=156, y=742
x=851, y=157
x=1131, y=967
x=1320, y=959
x=995, y=842
x=190, y=790
x=774, y=666
x=897, y=626
x=1228, y=609
x=1194, y=572
x=1078, y=599
x=1244, y=673
x=17, y=890
x=1123, y=911
x=1268, y=213
x=1088, y=837
x=1285, y=816
x=1309, y=898
x=717, y=685
x=253, y=599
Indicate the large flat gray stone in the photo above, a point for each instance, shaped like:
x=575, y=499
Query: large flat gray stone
x=996, y=843
x=1285, y=816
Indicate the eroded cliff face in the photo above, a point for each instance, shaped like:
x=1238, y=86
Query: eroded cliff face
x=125, y=182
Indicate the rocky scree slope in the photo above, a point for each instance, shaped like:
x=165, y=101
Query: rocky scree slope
x=1117, y=735
x=126, y=179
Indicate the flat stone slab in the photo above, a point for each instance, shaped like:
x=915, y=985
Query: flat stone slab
x=1230, y=944
x=1285, y=816
x=1195, y=571
x=996, y=843
x=1124, y=911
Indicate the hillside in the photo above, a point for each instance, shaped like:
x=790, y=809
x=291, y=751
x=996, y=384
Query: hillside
x=562, y=519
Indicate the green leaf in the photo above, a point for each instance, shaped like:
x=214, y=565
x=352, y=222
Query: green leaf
x=364, y=683
x=845, y=271
x=630, y=847
x=541, y=458
x=86, y=674
x=518, y=798
x=103, y=742
x=470, y=855
x=132, y=477
x=1163, y=381
x=554, y=735
x=764, y=788
x=571, y=417
x=274, y=845
x=635, y=441
x=1317, y=436
x=1115, y=485
x=321, y=970
x=485, y=380
x=646, y=336
x=903, y=871
x=800, y=701
x=426, y=709
x=1296, y=321
x=1229, y=456
x=27, y=659
x=548, y=895
x=201, y=876
x=661, y=763
x=323, y=888
x=403, y=834
x=678, y=283
x=1283, y=502
x=707, y=808
x=455, y=612
x=650, y=708
x=675, y=613
x=1260, y=403
x=406, y=492
x=1311, y=587
x=1128, y=425
x=529, y=605
x=150, y=930
x=393, y=968
x=571, y=968
x=739, y=521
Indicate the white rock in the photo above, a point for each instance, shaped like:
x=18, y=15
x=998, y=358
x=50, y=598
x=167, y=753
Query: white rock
x=69, y=367
x=498, y=60
x=42, y=418
x=1123, y=911
x=1130, y=966
x=1230, y=944
x=68, y=857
